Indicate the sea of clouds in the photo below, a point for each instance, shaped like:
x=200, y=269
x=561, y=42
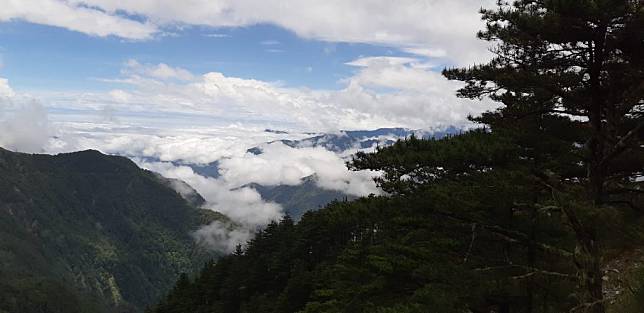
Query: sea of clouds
x=26, y=126
x=166, y=118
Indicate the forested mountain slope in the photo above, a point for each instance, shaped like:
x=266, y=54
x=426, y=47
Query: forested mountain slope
x=86, y=232
x=465, y=232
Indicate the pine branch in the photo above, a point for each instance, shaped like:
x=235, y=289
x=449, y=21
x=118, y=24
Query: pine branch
x=511, y=236
x=621, y=146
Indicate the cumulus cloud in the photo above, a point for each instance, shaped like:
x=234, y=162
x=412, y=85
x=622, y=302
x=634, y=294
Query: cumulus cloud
x=382, y=92
x=439, y=25
x=160, y=71
x=24, y=124
x=5, y=89
x=75, y=17
x=279, y=164
x=24, y=127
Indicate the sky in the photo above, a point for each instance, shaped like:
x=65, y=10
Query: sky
x=309, y=65
x=199, y=81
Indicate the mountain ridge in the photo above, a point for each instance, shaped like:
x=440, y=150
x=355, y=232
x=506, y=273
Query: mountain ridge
x=88, y=232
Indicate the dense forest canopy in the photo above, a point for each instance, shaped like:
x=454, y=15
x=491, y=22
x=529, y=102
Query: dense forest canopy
x=86, y=232
x=534, y=212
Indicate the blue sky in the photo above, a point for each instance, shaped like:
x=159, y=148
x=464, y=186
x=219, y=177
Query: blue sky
x=41, y=57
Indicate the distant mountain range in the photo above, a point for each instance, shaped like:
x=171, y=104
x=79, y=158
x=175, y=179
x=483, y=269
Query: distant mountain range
x=298, y=199
x=85, y=232
x=346, y=141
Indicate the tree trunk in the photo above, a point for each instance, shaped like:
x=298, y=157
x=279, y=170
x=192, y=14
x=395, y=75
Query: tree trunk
x=596, y=171
x=592, y=276
x=590, y=265
x=588, y=261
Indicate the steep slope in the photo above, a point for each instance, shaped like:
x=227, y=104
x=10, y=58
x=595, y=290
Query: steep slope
x=86, y=232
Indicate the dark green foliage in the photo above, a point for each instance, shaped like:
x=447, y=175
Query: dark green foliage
x=569, y=75
x=413, y=163
x=86, y=232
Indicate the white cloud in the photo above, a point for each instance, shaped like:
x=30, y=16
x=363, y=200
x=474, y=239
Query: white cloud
x=108, y=114
x=5, y=89
x=120, y=96
x=382, y=92
x=283, y=165
x=369, y=61
x=427, y=52
x=243, y=205
x=26, y=130
x=217, y=35
x=24, y=123
x=447, y=26
x=223, y=237
x=161, y=71
x=278, y=164
x=75, y=17
x=189, y=147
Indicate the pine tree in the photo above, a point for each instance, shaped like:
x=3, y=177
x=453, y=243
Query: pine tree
x=572, y=72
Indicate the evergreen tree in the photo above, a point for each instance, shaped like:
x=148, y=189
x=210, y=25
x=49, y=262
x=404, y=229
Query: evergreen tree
x=569, y=74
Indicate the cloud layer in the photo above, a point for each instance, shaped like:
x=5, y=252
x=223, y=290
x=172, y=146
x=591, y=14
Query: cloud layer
x=162, y=113
x=436, y=28
x=164, y=150
x=279, y=164
x=382, y=92
x=243, y=205
x=75, y=17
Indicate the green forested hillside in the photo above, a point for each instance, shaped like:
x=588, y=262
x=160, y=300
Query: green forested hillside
x=459, y=239
x=539, y=210
x=471, y=235
x=86, y=232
